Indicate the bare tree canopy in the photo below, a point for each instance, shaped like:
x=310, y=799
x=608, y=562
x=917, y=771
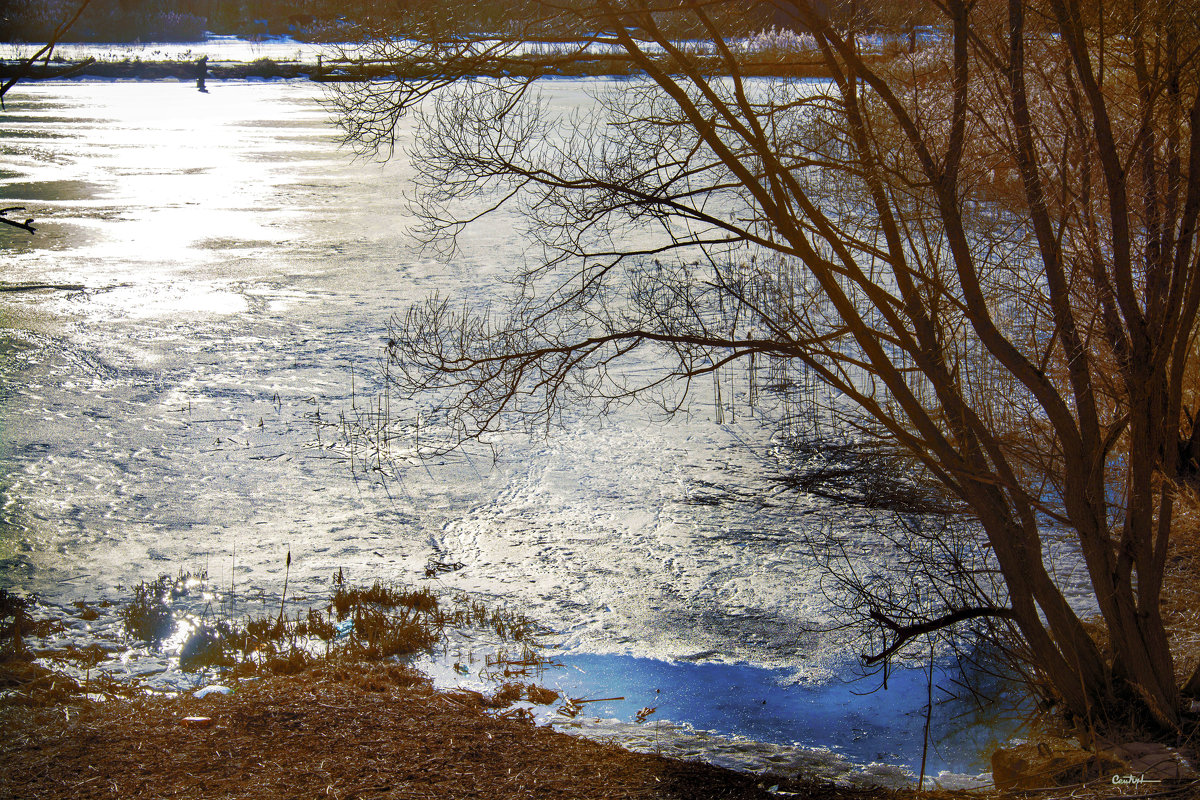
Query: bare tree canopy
x=984, y=236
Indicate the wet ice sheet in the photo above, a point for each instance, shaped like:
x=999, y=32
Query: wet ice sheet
x=240, y=271
x=163, y=414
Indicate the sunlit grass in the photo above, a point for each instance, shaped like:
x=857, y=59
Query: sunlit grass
x=357, y=623
x=352, y=626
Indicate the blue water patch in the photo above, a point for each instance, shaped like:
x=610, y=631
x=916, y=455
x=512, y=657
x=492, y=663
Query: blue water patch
x=858, y=719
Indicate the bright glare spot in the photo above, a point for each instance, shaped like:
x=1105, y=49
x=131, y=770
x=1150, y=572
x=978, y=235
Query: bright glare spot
x=184, y=628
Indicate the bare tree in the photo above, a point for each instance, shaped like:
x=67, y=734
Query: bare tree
x=984, y=240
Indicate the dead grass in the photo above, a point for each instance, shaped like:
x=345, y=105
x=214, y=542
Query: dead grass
x=17, y=624
x=347, y=732
x=371, y=623
x=148, y=615
x=357, y=625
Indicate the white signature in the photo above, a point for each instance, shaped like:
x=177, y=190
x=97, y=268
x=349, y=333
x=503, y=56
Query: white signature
x=1130, y=780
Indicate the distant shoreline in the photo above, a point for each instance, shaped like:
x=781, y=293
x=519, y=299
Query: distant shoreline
x=332, y=71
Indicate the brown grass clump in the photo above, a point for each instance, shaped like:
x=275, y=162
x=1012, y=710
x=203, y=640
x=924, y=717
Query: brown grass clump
x=468, y=612
x=372, y=623
x=17, y=623
x=148, y=615
x=511, y=693
x=506, y=695
x=378, y=635
x=358, y=624
x=316, y=625
x=348, y=732
x=346, y=597
x=542, y=696
x=28, y=684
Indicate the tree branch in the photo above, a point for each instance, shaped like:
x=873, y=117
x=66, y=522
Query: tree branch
x=906, y=633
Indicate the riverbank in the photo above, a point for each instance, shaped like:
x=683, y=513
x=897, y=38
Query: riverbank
x=344, y=731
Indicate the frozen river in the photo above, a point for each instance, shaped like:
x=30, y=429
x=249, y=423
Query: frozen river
x=240, y=270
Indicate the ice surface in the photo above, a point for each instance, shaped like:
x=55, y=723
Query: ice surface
x=241, y=270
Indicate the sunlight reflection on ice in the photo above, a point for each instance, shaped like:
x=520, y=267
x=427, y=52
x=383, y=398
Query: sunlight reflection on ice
x=183, y=298
x=178, y=167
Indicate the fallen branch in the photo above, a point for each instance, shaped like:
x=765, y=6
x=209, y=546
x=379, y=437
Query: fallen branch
x=33, y=287
x=27, y=225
